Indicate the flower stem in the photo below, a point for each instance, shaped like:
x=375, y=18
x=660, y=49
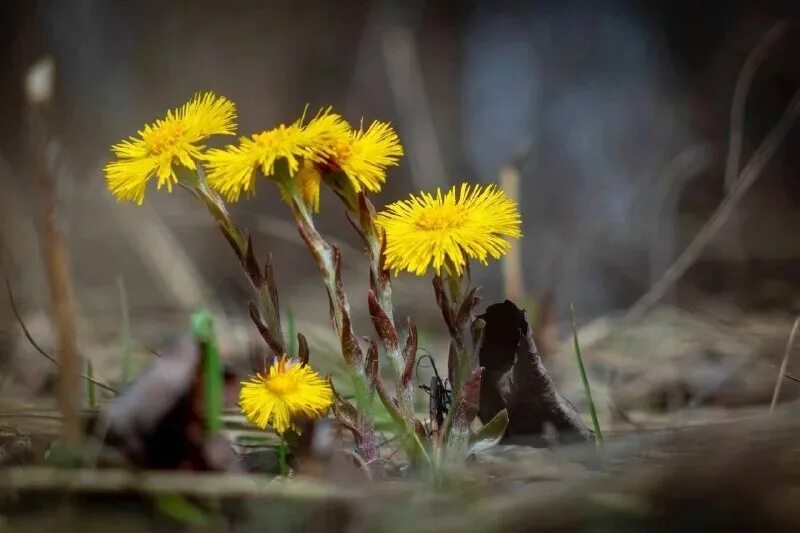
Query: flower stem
x=382, y=286
x=265, y=299
x=329, y=264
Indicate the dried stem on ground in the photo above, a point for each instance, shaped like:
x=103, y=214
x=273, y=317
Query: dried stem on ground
x=14, y=309
x=62, y=298
x=784, y=363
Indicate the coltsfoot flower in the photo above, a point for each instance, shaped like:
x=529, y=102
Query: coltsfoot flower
x=446, y=230
x=284, y=392
x=232, y=170
x=364, y=155
x=167, y=142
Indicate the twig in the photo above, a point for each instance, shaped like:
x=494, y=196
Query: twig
x=748, y=176
x=188, y=483
x=746, y=75
x=38, y=348
x=782, y=372
x=54, y=250
x=789, y=376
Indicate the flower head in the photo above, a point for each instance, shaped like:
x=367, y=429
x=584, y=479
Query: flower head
x=286, y=390
x=232, y=170
x=448, y=229
x=364, y=155
x=169, y=141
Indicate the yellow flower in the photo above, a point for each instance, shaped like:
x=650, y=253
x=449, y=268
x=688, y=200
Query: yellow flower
x=284, y=392
x=232, y=170
x=447, y=230
x=364, y=155
x=309, y=178
x=167, y=142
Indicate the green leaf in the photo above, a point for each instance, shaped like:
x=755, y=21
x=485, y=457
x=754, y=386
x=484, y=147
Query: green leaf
x=490, y=434
x=203, y=331
x=587, y=389
x=91, y=391
x=179, y=508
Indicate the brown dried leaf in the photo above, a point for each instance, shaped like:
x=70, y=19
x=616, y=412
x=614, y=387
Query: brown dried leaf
x=453, y=367
x=516, y=380
x=158, y=421
x=350, y=348
x=274, y=345
x=269, y=276
x=302, y=349
x=409, y=353
x=251, y=264
x=444, y=304
x=231, y=241
x=470, y=395
x=383, y=326
x=467, y=308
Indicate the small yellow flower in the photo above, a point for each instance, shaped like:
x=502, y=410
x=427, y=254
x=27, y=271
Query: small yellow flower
x=284, y=392
x=167, y=142
x=232, y=170
x=447, y=230
x=364, y=155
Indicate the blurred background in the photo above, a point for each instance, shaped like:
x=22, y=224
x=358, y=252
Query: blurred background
x=614, y=118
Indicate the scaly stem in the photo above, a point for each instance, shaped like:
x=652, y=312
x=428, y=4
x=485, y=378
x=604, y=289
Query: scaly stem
x=382, y=286
x=328, y=262
x=266, y=304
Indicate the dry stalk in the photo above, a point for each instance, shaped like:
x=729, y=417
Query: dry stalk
x=56, y=256
x=782, y=372
x=750, y=173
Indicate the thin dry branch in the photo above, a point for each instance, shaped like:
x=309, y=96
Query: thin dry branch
x=745, y=79
x=12, y=302
x=63, y=311
x=784, y=363
x=750, y=173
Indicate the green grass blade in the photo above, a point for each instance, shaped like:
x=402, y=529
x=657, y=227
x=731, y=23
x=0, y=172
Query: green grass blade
x=203, y=331
x=584, y=379
x=127, y=351
x=91, y=391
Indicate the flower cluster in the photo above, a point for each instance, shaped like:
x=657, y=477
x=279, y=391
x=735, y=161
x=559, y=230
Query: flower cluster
x=440, y=231
x=168, y=142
